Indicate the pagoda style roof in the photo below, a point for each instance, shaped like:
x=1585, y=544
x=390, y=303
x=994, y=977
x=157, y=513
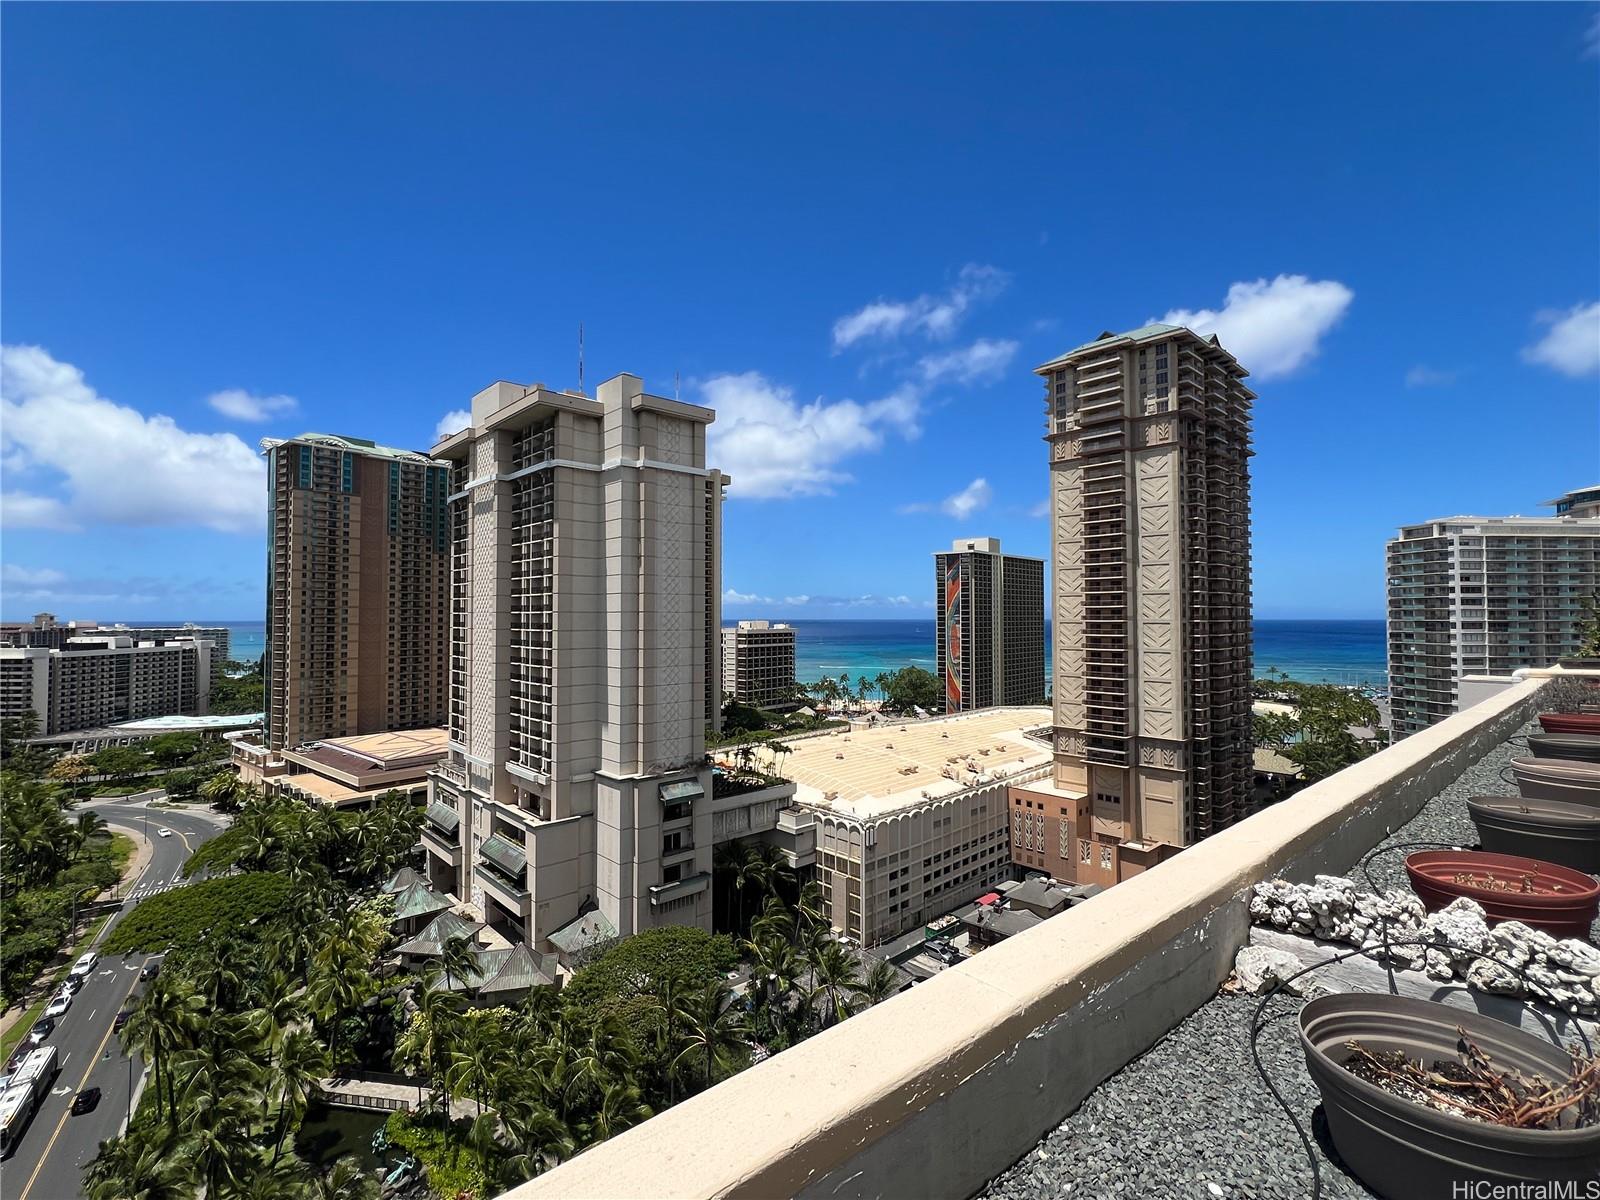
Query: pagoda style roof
x=418, y=900
x=430, y=942
x=401, y=880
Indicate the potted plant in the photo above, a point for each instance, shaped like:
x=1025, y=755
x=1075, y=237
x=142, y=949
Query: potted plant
x=1579, y=722
x=1422, y=1099
x=1556, y=899
x=1572, y=747
x=1549, y=830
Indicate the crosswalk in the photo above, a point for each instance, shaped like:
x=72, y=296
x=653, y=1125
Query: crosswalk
x=154, y=889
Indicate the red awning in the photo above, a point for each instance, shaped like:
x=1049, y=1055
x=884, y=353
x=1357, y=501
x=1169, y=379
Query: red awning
x=989, y=898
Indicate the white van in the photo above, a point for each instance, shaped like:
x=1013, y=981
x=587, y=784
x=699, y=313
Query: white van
x=84, y=965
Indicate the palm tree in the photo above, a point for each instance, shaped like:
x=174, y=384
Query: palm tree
x=749, y=868
x=424, y=1046
x=90, y=825
x=863, y=686
x=774, y=963
x=712, y=1029
x=293, y=1080
x=163, y=1025
x=832, y=974
x=670, y=996
x=226, y=791
x=774, y=922
x=810, y=909
x=135, y=1167
x=878, y=984
x=218, y=1146
x=459, y=961
x=475, y=1061
x=621, y=1105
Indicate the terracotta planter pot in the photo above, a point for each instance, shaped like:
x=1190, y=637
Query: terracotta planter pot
x=1571, y=747
x=1548, y=830
x=1570, y=722
x=1557, y=779
x=1402, y=1150
x=1562, y=901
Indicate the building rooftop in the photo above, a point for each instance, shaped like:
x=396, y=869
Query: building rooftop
x=1096, y=1054
x=869, y=773
x=356, y=446
x=369, y=753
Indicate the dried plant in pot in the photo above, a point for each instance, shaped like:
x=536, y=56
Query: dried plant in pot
x=1410, y=1136
x=1556, y=899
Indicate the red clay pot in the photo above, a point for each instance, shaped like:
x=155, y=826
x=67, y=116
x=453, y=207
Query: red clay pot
x=1570, y=722
x=1563, y=902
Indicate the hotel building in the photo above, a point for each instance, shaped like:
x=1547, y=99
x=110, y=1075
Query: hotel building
x=357, y=587
x=45, y=630
x=1485, y=596
x=1149, y=436
x=912, y=819
x=758, y=663
x=990, y=627
x=97, y=680
x=586, y=604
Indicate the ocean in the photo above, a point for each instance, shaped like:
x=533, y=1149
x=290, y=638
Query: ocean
x=1311, y=651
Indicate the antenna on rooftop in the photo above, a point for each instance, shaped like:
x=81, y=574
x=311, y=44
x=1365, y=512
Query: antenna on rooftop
x=580, y=356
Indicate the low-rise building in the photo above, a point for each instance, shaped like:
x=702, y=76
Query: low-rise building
x=133, y=733
x=758, y=663
x=911, y=816
x=352, y=772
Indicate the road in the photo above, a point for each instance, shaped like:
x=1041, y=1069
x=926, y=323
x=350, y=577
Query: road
x=49, y=1160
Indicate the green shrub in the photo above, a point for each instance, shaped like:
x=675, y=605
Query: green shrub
x=217, y=909
x=218, y=854
x=441, y=1147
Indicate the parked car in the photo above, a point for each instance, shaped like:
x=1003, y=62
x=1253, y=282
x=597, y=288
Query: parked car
x=85, y=1101
x=122, y=1019
x=42, y=1028
x=72, y=985
x=163, y=833
x=150, y=971
x=58, y=1007
x=85, y=965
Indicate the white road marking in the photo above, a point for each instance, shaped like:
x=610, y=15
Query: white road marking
x=92, y=1012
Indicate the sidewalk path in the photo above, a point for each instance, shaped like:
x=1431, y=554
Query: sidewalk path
x=392, y=1097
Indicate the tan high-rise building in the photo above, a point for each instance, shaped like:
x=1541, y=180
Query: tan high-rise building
x=357, y=575
x=576, y=800
x=1149, y=435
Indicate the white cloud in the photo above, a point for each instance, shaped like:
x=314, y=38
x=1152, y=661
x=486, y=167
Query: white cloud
x=453, y=421
x=1039, y=510
x=242, y=406
x=116, y=465
x=776, y=447
x=1271, y=328
x=970, y=499
x=19, y=576
x=735, y=597
x=1572, y=344
x=1591, y=38
x=1420, y=376
x=982, y=362
x=934, y=316
x=24, y=510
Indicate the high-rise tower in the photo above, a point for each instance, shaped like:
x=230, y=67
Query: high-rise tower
x=990, y=625
x=1149, y=435
x=583, y=662
x=357, y=554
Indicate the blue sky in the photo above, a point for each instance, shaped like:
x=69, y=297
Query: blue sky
x=853, y=229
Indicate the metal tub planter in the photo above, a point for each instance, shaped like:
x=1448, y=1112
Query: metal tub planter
x=1557, y=779
x=1404, y=1150
x=1569, y=747
x=1550, y=830
x=1558, y=900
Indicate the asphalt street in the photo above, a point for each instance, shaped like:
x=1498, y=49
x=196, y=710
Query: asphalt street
x=49, y=1159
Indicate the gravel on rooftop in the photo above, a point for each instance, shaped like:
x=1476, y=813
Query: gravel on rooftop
x=1190, y=1117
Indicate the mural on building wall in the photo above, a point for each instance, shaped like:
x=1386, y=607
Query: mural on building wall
x=952, y=647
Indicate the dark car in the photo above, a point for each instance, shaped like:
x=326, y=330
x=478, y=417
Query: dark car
x=42, y=1029
x=85, y=1101
x=151, y=970
x=122, y=1019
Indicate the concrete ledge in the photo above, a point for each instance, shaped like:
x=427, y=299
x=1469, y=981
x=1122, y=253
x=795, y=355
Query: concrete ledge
x=939, y=1089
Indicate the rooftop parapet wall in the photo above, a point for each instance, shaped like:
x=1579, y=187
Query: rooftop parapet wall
x=938, y=1090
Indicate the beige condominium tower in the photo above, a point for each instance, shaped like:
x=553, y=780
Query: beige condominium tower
x=357, y=554
x=1149, y=436
x=989, y=627
x=585, y=599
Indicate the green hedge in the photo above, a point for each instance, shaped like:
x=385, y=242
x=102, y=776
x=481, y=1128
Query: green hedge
x=218, y=853
x=635, y=966
x=219, y=909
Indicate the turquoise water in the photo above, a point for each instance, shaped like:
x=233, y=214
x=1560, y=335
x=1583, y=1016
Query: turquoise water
x=1310, y=651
